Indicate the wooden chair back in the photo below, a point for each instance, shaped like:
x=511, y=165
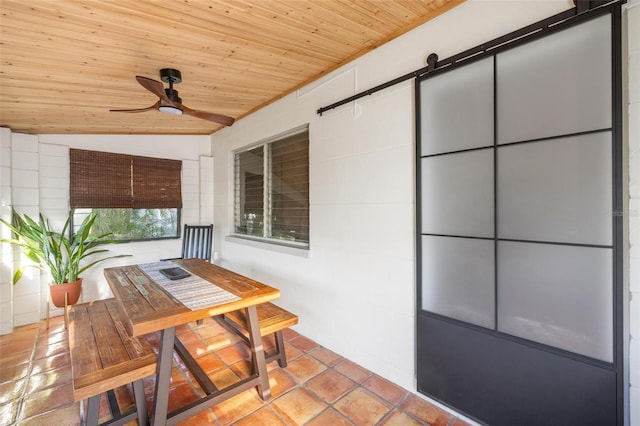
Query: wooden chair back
x=196, y=242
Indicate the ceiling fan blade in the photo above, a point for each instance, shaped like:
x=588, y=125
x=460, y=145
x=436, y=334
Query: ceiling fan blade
x=152, y=107
x=211, y=116
x=154, y=87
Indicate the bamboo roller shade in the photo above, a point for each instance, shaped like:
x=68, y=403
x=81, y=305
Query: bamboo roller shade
x=108, y=180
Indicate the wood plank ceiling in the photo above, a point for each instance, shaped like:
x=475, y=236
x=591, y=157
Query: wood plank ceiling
x=65, y=63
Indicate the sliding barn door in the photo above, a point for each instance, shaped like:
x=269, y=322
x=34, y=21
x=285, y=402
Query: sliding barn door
x=519, y=194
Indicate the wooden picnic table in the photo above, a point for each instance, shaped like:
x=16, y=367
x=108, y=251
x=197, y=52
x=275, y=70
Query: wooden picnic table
x=152, y=305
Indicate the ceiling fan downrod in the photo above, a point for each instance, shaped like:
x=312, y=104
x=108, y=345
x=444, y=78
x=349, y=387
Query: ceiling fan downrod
x=171, y=76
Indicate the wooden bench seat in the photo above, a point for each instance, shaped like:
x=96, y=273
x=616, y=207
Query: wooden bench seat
x=272, y=318
x=104, y=357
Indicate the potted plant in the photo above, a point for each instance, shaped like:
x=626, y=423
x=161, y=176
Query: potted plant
x=60, y=253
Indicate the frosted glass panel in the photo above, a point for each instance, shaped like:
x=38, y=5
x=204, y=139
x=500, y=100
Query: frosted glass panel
x=557, y=85
x=457, y=194
x=557, y=190
x=557, y=295
x=456, y=109
x=458, y=279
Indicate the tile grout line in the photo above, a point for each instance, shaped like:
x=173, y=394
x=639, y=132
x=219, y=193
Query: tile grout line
x=42, y=331
x=358, y=385
x=188, y=379
x=27, y=378
x=303, y=385
x=361, y=385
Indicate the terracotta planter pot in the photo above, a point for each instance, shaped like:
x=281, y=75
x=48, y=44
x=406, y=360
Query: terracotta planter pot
x=58, y=291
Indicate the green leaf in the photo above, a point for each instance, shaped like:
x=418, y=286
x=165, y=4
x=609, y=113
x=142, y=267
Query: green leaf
x=54, y=251
x=17, y=276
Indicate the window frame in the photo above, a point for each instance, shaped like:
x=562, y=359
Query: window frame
x=266, y=239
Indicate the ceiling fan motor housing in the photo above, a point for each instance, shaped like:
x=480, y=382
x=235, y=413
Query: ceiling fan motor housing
x=170, y=75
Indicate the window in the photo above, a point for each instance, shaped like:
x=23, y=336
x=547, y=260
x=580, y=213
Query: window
x=132, y=224
x=136, y=198
x=272, y=189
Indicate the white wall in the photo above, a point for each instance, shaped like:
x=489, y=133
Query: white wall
x=355, y=292
x=39, y=182
x=633, y=120
x=6, y=251
x=23, y=300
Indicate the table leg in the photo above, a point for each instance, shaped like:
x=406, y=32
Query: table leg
x=163, y=378
x=257, y=353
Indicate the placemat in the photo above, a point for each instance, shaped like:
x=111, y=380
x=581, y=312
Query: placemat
x=193, y=292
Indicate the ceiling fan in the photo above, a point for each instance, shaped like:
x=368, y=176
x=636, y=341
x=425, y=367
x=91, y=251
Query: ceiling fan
x=169, y=102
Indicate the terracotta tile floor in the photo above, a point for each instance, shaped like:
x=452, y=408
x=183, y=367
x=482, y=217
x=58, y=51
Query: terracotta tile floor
x=318, y=387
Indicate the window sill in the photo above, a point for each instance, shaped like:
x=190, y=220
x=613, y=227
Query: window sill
x=270, y=245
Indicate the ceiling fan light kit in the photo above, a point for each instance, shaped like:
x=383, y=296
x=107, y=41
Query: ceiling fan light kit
x=170, y=102
x=169, y=109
